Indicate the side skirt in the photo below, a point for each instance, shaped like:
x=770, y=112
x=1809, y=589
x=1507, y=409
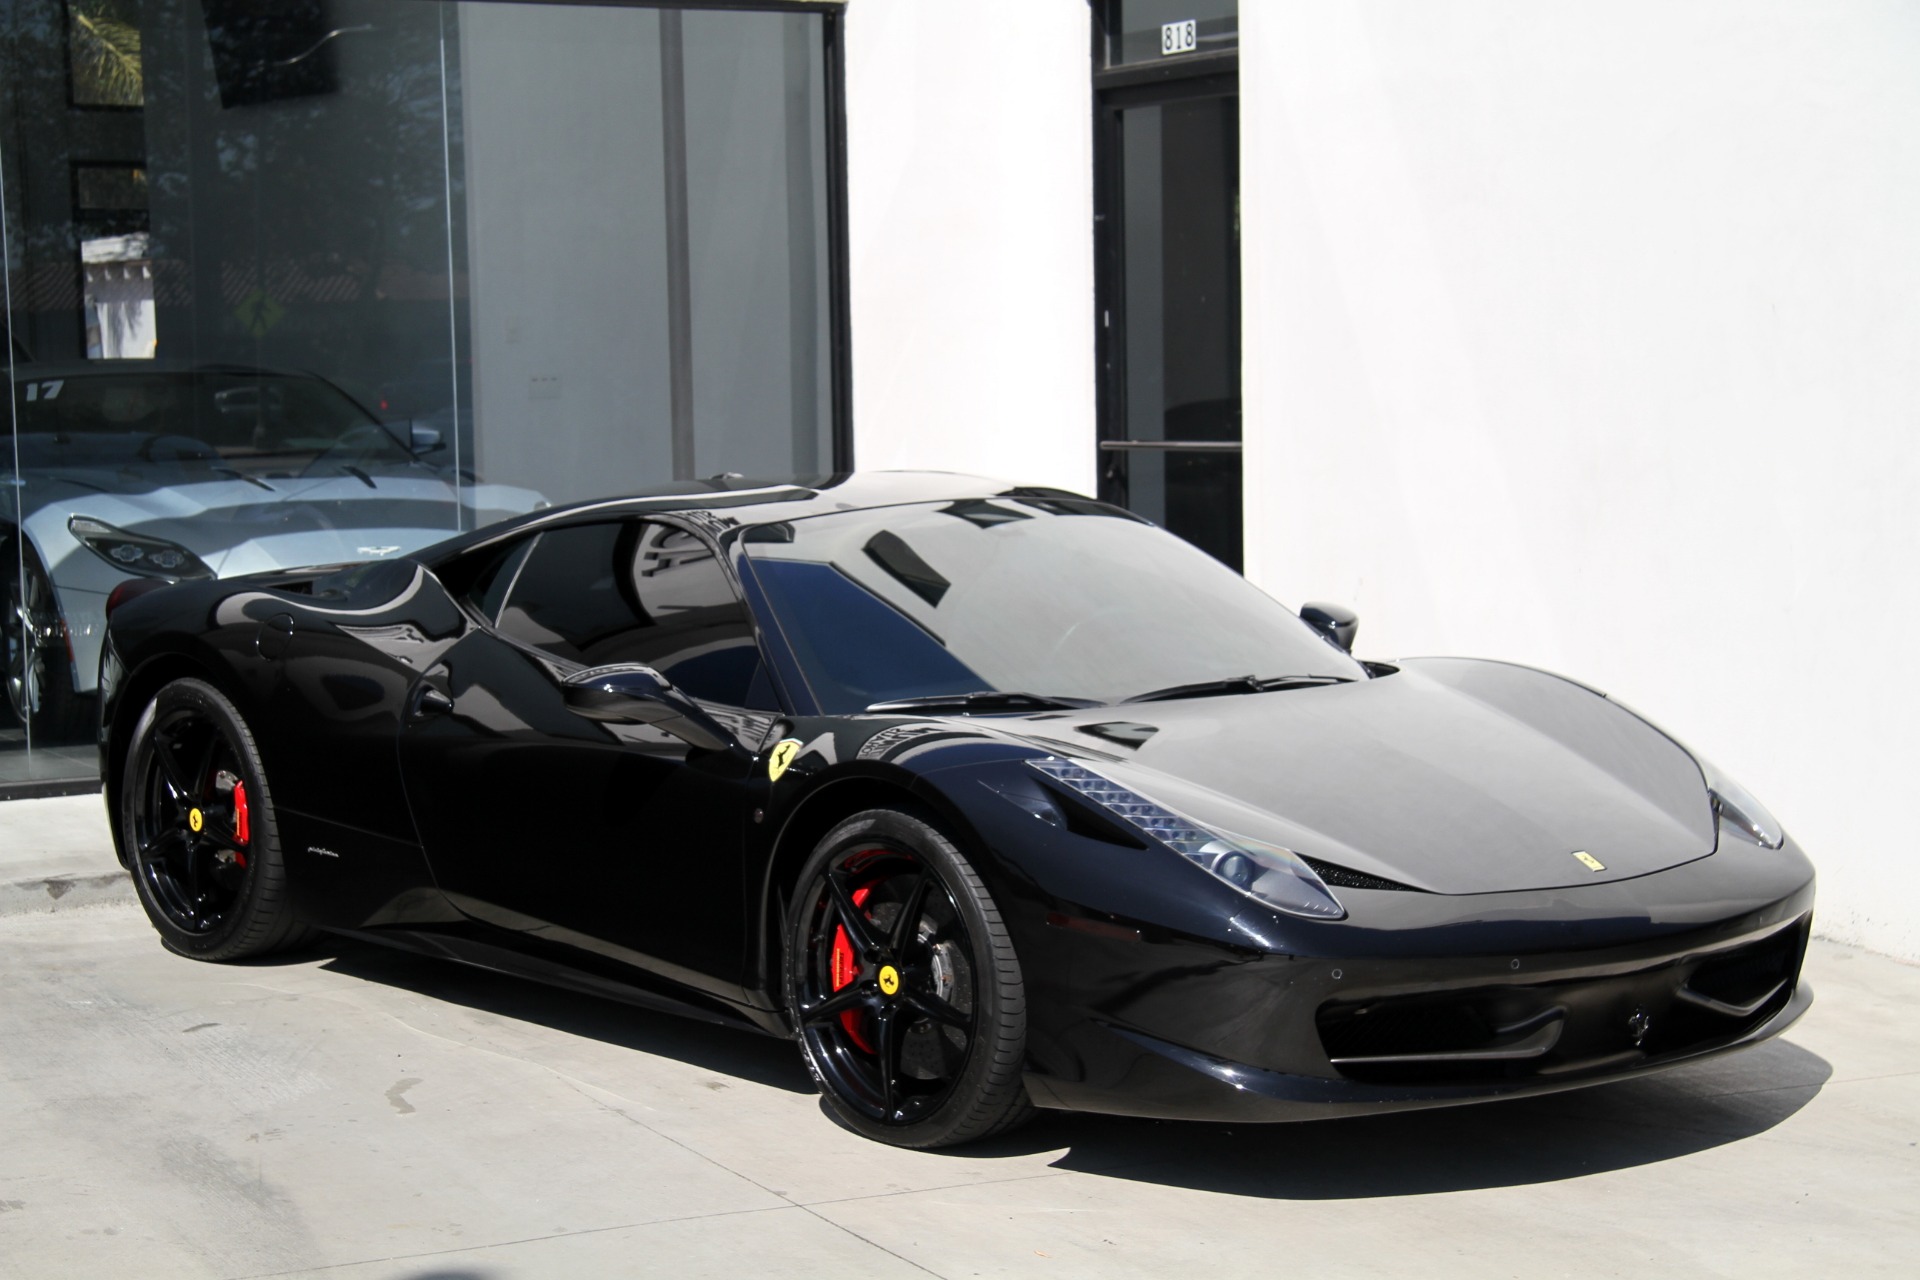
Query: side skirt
x=519, y=964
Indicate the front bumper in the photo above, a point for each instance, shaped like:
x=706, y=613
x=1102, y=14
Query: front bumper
x=1168, y=1081
x=1128, y=1023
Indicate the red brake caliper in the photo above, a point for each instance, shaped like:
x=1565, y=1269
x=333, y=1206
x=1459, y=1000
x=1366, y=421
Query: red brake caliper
x=846, y=966
x=242, y=825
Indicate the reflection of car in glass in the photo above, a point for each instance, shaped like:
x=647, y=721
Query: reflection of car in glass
x=141, y=468
x=990, y=797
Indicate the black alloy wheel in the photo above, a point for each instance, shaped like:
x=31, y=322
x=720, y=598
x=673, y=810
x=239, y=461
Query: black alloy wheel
x=40, y=690
x=903, y=986
x=198, y=828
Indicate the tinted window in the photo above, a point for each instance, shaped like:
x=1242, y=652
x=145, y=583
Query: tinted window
x=630, y=591
x=1052, y=597
x=254, y=420
x=489, y=590
x=854, y=643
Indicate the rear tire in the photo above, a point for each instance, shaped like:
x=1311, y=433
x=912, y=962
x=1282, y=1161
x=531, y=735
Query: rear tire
x=197, y=819
x=903, y=987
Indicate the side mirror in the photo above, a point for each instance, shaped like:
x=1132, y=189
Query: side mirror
x=628, y=693
x=1336, y=623
x=424, y=439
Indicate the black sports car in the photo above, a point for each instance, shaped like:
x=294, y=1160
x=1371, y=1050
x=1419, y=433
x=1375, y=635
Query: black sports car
x=991, y=797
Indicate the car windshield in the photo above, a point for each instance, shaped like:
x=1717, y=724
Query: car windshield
x=256, y=422
x=1058, y=598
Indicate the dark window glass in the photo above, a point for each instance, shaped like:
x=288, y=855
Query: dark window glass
x=110, y=188
x=1077, y=600
x=1179, y=166
x=1138, y=31
x=263, y=425
x=855, y=647
x=633, y=592
x=490, y=589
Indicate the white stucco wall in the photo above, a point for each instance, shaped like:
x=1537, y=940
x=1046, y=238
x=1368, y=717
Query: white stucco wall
x=1584, y=335
x=970, y=194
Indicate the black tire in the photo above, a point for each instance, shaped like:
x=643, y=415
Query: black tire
x=903, y=987
x=39, y=667
x=197, y=819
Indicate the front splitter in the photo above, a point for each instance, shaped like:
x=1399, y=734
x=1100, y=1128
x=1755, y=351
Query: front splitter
x=1171, y=1082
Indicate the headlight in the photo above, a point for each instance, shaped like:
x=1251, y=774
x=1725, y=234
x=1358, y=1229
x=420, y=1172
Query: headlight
x=1738, y=811
x=136, y=552
x=1271, y=875
x=1733, y=805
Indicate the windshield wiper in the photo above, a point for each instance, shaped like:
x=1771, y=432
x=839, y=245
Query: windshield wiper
x=241, y=475
x=987, y=701
x=1236, y=684
x=360, y=475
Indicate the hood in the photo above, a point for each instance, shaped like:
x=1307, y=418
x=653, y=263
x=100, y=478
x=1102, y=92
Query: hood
x=1452, y=775
x=239, y=528
x=240, y=525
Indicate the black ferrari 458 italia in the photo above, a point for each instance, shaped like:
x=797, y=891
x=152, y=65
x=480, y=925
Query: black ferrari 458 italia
x=992, y=798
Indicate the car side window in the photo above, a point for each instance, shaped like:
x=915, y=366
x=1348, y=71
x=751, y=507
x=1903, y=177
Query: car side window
x=489, y=589
x=630, y=591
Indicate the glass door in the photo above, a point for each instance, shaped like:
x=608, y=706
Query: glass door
x=1168, y=230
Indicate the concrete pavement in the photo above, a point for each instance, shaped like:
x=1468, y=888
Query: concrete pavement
x=354, y=1112
x=57, y=853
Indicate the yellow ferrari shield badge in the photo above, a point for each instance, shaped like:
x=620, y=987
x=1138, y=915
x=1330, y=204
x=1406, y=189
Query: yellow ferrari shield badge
x=889, y=980
x=196, y=819
x=1588, y=861
x=781, y=756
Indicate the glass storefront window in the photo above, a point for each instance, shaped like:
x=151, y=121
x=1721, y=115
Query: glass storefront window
x=303, y=282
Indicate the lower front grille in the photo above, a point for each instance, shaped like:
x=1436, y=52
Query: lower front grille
x=1741, y=981
x=1515, y=1032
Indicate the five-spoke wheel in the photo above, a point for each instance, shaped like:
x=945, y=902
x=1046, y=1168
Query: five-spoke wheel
x=199, y=831
x=903, y=986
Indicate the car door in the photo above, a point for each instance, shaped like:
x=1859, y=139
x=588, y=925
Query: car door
x=614, y=842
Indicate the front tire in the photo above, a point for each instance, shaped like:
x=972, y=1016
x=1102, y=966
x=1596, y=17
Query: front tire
x=40, y=690
x=197, y=819
x=903, y=987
